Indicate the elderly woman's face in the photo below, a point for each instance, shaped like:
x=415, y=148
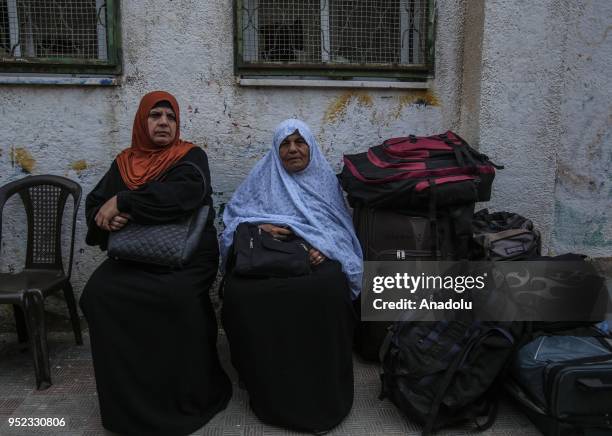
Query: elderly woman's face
x=294, y=153
x=162, y=125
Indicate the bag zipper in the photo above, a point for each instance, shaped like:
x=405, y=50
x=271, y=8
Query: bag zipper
x=400, y=254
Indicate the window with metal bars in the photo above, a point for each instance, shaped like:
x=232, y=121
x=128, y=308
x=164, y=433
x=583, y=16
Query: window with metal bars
x=380, y=38
x=59, y=36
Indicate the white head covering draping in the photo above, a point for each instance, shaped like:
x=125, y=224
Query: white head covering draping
x=310, y=202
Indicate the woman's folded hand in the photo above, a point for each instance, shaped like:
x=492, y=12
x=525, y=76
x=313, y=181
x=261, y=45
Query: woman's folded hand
x=316, y=257
x=109, y=218
x=119, y=221
x=276, y=231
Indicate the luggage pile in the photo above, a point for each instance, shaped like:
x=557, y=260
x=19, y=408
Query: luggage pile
x=413, y=199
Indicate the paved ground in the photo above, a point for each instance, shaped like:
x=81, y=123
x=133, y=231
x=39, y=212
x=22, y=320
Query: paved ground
x=73, y=397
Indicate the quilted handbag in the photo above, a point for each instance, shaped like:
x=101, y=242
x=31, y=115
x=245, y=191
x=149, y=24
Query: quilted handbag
x=170, y=244
x=258, y=254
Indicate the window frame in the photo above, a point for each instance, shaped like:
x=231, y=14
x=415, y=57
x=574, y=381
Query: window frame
x=55, y=65
x=413, y=72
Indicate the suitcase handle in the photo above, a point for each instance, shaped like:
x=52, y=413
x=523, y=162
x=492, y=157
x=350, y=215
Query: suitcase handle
x=593, y=384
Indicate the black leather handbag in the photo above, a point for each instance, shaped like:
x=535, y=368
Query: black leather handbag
x=259, y=254
x=170, y=244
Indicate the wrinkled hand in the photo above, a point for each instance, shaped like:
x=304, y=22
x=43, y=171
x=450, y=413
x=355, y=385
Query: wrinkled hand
x=316, y=257
x=119, y=221
x=107, y=214
x=276, y=231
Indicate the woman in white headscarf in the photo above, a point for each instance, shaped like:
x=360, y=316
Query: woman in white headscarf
x=291, y=338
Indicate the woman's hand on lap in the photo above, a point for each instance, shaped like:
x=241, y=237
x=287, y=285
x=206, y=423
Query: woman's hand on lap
x=276, y=231
x=316, y=257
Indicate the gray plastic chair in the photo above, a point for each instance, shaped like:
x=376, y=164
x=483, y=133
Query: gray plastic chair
x=44, y=198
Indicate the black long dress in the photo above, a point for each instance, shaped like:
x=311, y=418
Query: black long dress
x=291, y=343
x=153, y=329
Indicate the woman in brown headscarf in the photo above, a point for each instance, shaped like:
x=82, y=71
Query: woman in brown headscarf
x=153, y=329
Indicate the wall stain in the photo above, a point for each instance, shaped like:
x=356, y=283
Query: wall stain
x=593, y=42
x=423, y=97
x=337, y=109
x=364, y=99
x=597, y=238
x=23, y=158
x=566, y=175
x=79, y=165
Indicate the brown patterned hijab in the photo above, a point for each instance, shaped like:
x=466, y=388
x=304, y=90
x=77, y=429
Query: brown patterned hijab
x=145, y=161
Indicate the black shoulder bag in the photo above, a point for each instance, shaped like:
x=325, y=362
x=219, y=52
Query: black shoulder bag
x=171, y=244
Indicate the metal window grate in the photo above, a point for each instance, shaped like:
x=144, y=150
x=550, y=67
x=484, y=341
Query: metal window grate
x=365, y=32
x=72, y=29
x=360, y=32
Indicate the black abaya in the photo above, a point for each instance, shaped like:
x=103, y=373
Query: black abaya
x=153, y=329
x=291, y=343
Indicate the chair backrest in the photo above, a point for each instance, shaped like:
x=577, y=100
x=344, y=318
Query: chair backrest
x=44, y=198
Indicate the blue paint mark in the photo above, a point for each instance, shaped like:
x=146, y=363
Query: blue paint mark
x=55, y=81
x=580, y=228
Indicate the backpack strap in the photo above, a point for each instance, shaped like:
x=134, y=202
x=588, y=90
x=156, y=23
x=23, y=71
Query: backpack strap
x=457, y=149
x=386, y=343
x=433, y=219
x=462, y=226
x=446, y=381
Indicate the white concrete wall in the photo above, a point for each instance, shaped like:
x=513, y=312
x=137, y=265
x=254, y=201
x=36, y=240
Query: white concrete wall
x=518, y=106
x=545, y=113
x=543, y=110
x=583, y=190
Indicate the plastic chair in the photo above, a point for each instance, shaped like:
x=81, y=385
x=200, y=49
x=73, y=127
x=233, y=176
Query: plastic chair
x=44, y=198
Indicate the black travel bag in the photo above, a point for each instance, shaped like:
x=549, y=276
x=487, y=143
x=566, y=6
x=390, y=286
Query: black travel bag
x=392, y=235
x=402, y=235
x=447, y=372
x=564, y=383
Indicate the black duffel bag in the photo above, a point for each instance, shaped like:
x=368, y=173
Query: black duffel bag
x=406, y=172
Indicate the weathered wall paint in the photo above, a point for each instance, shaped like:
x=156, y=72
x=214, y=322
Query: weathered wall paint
x=583, y=190
x=79, y=165
x=21, y=158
